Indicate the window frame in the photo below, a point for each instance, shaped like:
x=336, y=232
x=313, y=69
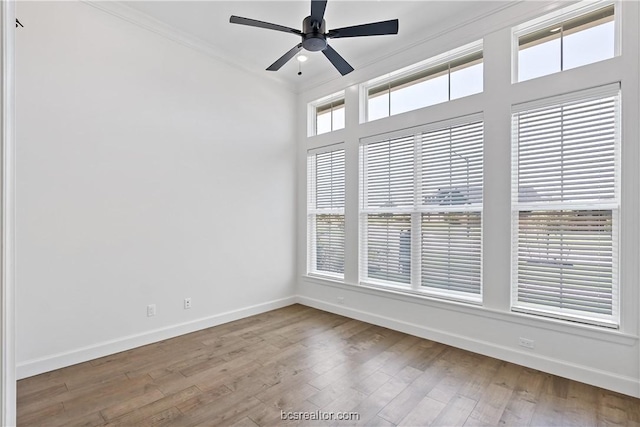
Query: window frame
x=614, y=205
x=416, y=212
x=421, y=71
x=556, y=18
x=314, y=212
x=331, y=101
x=497, y=41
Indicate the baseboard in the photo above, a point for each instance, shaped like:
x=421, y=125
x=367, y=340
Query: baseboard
x=607, y=380
x=61, y=360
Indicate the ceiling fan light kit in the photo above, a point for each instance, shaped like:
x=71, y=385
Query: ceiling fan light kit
x=314, y=35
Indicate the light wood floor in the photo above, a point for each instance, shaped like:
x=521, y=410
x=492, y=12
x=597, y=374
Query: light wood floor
x=301, y=359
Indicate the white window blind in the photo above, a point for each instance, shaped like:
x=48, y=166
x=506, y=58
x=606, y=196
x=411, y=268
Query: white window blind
x=388, y=169
x=565, y=198
x=325, y=212
x=421, y=207
x=389, y=247
x=451, y=185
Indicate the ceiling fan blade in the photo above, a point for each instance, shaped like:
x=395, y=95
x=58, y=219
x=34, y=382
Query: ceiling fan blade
x=317, y=10
x=338, y=61
x=260, y=24
x=285, y=58
x=373, y=29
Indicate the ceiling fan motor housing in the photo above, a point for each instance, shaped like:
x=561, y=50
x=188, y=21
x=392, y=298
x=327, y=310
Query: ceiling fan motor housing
x=313, y=38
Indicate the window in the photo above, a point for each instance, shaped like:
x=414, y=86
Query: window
x=325, y=212
x=565, y=206
x=421, y=86
x=567, y=44
x=421, y=207
x=388, y=182
x=329, y=115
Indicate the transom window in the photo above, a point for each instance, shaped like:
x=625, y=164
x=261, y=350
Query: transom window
x=453, y=75
x=566, y=44
x=328, y=114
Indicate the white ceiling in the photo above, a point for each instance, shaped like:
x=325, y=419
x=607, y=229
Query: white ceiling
x=256, y=48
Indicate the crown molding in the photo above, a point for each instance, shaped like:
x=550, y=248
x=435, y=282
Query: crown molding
x=142, y=20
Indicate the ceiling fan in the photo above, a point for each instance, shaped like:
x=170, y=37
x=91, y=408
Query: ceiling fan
x=314, y=35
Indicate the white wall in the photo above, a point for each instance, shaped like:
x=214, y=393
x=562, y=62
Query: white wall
x=599, y=356
x=147, y=172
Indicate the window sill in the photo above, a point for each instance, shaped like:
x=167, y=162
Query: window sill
x=556, y=325
x=433, y=295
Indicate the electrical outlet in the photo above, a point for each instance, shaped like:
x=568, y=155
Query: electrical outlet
x=525, y=342
x=187, y=303
x=151, y=310
x=340, y=300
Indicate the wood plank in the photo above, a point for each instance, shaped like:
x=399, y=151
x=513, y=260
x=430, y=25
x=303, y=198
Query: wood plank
x=479, y=379
x=225, y=411
x=373, y=404
x=474, y=422
x=371, y=383
x=346, y=401
x=38, y=383
x=91, y=420
x=456, y=412
x=40, y=416
x=518, y=413
x=611, y=408
x=398, y=359
x=490, y=407
x=245, y=422
x=423, y=414
x=548, y=411
x=336, y=335
x=296, y=383
x=377, y=422
x=329, y=394
x=447, y=387
x=507, y=375
x=83, y=403
x=147, y=411
x=431, y=352
x=36, y=397
x=168, y=417
x=581, y=408
x=120, y=408
x=411, y=396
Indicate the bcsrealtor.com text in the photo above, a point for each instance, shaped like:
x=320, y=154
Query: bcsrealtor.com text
x=319, y=416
